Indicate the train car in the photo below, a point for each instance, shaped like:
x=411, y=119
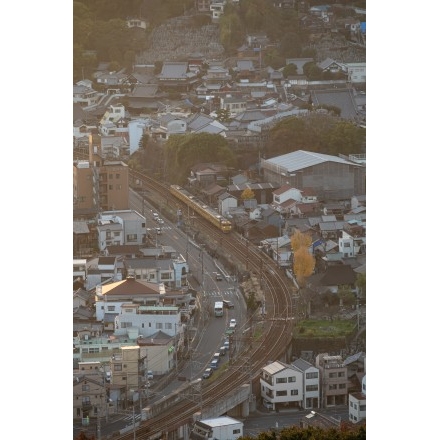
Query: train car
x=203, y=210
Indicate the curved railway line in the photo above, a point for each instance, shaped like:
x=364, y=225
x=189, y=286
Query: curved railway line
x=275, y=338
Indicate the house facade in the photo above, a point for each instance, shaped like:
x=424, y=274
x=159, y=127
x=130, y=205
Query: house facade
x=281, y=385
x=120, y=227
x=310, y=377
x=334, y=381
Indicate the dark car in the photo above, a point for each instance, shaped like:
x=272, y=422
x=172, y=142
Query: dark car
x=207, y=373
x=228, y=304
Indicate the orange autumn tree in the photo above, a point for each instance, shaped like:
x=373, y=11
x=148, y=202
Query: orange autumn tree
x=303, y=260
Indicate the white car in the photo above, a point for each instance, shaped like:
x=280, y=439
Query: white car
x=160, y=221
x=232, y=322
x=150, y=375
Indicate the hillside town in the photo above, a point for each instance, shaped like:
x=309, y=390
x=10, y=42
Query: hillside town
x=140, y=303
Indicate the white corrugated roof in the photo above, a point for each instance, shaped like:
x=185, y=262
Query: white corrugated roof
x=301, y=159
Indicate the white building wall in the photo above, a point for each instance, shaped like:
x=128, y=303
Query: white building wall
x=356, y=409
x=135, y=132
x=311, y=382
x=148, y=324
x=288, y=387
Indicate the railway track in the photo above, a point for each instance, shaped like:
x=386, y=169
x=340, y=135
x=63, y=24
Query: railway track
x=275, y=337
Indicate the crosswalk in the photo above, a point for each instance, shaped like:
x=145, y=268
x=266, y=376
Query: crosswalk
x=137, y=417
x=221, y=293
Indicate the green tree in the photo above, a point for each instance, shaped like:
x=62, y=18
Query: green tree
x=290, y=70
x=182, y=152
x=312, y=71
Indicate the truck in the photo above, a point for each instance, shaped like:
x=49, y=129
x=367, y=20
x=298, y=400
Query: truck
x=218, y=308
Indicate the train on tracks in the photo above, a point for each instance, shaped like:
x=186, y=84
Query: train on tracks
x=202, y=209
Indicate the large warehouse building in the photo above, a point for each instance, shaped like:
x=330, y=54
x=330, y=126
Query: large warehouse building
x=331, y=177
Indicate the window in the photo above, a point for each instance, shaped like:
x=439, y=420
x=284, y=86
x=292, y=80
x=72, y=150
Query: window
x=117, y=367
x=94, y=350
x=118, y=176
x=333, y=387
x=111, y=308
x=165, y=275
x=110, y=187
x=118, y=186
x=131, y=237
x=108, y=235
x=159, y=325
x=312, y=375
x=86, y=387
x=351, y=404
x=341, y=374
x=332, y=375
x=117, y=234
x=236, y=431
x=281, y=380
x=110, y=176
x=341, y=386
x=293, y=392
x=126, y=324
x=128, y=310
x=355, y=406
x=168, y=326
x=362, y=407
x=86, y=400
x=292, y=379
x=311, y=387
x=281, y=393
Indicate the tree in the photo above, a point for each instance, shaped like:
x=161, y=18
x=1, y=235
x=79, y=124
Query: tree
x=289, y=70
x=247, y=194
x=298, y=239
x=303, y=264
x=346, y=296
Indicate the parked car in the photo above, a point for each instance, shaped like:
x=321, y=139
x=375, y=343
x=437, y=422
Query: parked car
x=207, y=373
x=150, y=375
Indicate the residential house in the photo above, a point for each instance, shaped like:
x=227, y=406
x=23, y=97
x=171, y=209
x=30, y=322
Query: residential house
x=225, y=202
x=245, y=69
x=172, y=272
x=281, y=385
x=217, y=9
x=262, y=191
x=89, y=393
x=311, y=381
x=233, y=104
x=137, y=23
x=175, y=75
x=84, y=96
x=334, y=380
x=113, y=81
x=357, y=406
x=84, y=240
x=120, y=227
x=338, y=178
x=352, y=241
x=356, y=73
x=103, y=270
x=205, y=174
x=331, y=66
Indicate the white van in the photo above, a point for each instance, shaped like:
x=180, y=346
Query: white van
x=267, y=404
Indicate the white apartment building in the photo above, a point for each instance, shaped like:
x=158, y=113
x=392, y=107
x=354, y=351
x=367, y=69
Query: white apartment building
x=357, y=404
x=281, y=384
x=310, y=376
x=120, y=227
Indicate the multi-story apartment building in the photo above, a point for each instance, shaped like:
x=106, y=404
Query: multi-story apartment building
x=281, y=384
x=120, y=227
x=100, y=188
x=357, y=404
x=89, y=391
x=334, y=381
x=310, y=377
